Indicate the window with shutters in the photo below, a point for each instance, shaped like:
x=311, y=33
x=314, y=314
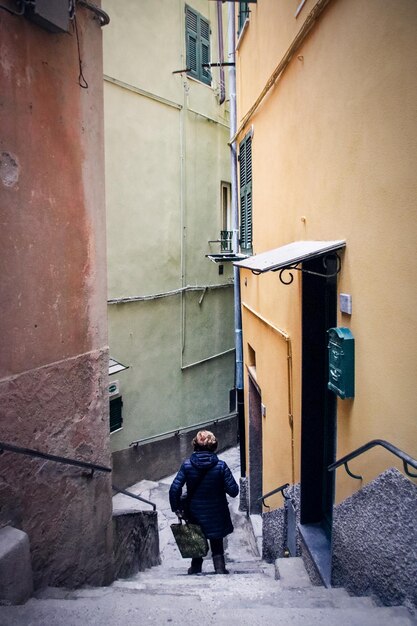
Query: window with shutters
x=197, y=32
x=243, y=15
x=116, y=419
x=245, y=175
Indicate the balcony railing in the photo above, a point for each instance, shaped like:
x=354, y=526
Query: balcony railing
x=225, y=241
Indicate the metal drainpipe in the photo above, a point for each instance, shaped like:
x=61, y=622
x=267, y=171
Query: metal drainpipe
x=183, y=177
x=221, y=49
x=235, y=242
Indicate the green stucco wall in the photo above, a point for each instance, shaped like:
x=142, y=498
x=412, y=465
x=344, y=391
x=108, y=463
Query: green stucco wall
x=166, y=155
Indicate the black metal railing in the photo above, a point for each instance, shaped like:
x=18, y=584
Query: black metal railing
x=8, y=447
x=274, y=491
x=225, y=241
x=406, y=458
x=183, y=429
x=133, y=495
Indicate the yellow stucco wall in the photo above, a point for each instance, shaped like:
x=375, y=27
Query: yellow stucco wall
x=334, y=154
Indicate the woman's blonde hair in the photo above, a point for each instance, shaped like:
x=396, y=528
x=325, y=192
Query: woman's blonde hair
x=205, y=440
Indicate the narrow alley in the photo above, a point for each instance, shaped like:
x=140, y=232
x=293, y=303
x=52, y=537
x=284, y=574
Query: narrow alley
x=251, y=594
x=208, y=217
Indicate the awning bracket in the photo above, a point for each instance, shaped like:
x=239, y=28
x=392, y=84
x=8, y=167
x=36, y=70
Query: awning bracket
x=294, y=266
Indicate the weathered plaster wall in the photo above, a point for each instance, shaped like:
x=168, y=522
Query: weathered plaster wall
x=156, y=459
x=166, y=155
x=51, y=128
x=54, y=358
x=276, y=377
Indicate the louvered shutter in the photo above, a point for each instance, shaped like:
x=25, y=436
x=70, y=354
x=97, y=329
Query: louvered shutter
x=242, y=176
x=245, y=171
x=243, y=14
x=205, y=50
x=249, y=193
x=191, y=25
x=197, y=45
x=116, y=419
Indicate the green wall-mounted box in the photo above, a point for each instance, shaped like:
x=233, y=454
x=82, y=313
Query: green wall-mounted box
x=341, y=362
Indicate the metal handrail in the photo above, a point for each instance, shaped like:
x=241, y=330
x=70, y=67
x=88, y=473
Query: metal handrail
x=133, y=495
x=182, y=429
x=8, y=447
x=406, y=458
x=271, y=493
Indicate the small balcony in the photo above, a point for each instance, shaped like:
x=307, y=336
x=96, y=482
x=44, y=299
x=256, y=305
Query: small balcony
x=226, y=248
x=226, y=240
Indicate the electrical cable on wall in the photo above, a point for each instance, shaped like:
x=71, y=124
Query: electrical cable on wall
x=81, y=78
x=167, y=294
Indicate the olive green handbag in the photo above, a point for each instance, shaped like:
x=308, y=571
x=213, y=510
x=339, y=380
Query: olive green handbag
x=190, y=540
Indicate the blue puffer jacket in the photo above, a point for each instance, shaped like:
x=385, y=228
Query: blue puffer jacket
x=208, y=505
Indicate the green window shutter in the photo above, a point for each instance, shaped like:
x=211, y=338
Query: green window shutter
x=197, y=31
x=191, y=27
x=243, y=14
x=116, y=419
x=245, y=171
x=205, y=50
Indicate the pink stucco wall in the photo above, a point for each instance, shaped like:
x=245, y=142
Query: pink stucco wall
x=53, y=357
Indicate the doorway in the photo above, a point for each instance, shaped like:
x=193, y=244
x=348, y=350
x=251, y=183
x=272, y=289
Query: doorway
x=255, y=447
x=318, y=414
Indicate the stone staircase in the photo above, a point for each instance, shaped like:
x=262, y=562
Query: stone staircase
x=253, y=593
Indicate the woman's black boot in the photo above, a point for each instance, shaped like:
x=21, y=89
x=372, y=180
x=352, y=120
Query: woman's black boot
x=196, y=565
x=219, y=565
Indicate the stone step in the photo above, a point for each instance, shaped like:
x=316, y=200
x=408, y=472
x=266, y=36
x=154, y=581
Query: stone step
x=316, y=597
x=247, y=586
x=292, y=573
x=256, y=522
x=247, y=580
x=130, y=609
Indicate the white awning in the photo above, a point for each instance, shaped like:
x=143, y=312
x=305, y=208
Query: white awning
x=221, y=257
x=291, y=254
x=116, y=366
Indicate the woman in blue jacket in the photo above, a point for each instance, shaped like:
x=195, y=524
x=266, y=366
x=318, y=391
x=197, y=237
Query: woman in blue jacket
x=208, y=480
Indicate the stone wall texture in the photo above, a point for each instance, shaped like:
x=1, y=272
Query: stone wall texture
x=375, y=540
x=61, y=409
x=275, y=524
x=136, y=542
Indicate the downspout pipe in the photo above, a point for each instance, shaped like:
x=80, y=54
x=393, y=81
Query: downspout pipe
x=235, y=240
x=221, y=49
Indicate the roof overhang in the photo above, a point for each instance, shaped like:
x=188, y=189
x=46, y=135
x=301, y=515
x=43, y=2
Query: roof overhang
x=290, y=255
